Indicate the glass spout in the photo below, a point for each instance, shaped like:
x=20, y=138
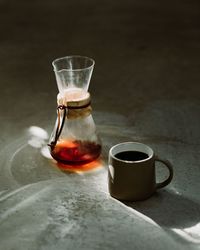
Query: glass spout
x=73, y=72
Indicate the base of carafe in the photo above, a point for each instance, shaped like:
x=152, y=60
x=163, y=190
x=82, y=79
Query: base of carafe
x=75, y=152
x=94, y=165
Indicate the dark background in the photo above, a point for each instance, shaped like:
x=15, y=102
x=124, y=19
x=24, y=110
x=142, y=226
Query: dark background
x=144, y=50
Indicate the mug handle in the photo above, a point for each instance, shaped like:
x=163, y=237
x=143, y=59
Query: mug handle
x=170, y=168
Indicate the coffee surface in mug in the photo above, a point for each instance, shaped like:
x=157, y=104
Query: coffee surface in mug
x=131, y=155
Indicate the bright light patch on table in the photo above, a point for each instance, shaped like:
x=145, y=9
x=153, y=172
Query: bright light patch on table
x=175, y=191
x=191, y=234
x=45, y=152
x=36, y=143
x=38, y=136
x=38, y=132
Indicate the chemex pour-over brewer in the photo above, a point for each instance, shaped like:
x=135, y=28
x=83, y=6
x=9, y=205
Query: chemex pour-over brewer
x=74, y=139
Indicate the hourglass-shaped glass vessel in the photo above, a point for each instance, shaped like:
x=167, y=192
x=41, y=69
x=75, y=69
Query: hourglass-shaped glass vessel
x=74, y=139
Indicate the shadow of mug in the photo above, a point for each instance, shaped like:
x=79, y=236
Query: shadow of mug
x=169, y=210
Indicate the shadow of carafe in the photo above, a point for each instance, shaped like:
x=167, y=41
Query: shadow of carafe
x=176, y=214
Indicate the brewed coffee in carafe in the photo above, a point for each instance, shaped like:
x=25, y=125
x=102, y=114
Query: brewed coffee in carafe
x=74, y=139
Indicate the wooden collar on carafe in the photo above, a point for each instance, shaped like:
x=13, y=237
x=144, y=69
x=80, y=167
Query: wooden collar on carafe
x=79, y=107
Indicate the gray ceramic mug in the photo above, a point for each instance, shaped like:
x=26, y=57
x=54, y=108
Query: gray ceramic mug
x=131, y=171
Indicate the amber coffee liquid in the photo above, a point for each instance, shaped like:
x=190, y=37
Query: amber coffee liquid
x=75, y=152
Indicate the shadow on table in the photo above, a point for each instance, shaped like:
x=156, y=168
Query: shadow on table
x=173, y=212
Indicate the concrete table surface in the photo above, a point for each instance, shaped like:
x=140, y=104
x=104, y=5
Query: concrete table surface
x=145, y=87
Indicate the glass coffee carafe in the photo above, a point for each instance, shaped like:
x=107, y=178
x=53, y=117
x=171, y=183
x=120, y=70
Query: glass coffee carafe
x=74, y=139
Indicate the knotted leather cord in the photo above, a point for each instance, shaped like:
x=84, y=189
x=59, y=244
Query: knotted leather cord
x=60, y=127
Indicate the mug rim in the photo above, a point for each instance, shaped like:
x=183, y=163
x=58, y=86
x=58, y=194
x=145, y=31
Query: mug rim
x=135, y=143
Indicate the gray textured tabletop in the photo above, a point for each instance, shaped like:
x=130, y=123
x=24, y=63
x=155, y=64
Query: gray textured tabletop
x=145, y=87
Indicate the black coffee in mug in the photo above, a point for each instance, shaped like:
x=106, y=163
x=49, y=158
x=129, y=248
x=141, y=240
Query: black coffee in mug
x=131, y=156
